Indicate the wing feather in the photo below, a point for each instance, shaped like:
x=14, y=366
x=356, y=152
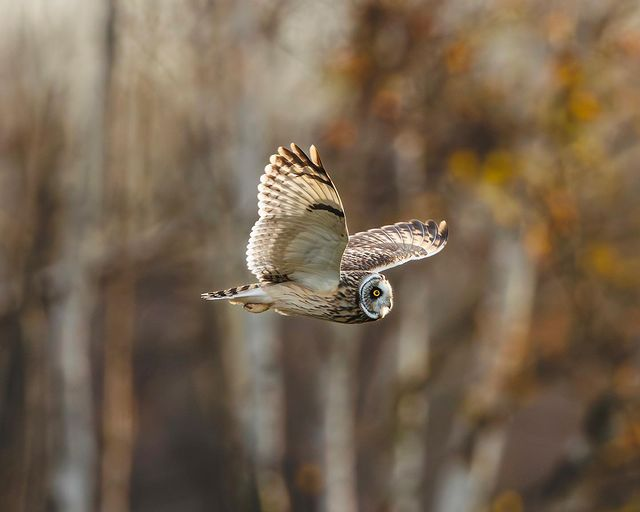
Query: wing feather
x=389, y=246
x=301, y=233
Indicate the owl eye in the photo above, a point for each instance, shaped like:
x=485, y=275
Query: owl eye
x=376, y=292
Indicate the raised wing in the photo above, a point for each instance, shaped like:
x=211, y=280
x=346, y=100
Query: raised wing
x=389, y=246
x=301, y=233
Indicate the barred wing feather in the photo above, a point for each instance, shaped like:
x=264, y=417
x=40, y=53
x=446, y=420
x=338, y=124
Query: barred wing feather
x=389, y=246
x=301, y=233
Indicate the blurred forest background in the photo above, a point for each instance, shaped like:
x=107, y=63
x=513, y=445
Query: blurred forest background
x=132, y=138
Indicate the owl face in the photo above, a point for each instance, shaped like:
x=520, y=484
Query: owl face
x=376, y=296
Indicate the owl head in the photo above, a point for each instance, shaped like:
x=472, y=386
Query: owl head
x=376, y=296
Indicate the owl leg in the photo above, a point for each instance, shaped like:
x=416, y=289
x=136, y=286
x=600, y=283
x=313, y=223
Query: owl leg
x=256, y=308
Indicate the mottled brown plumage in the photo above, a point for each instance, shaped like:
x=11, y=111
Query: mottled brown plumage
x=303, y=257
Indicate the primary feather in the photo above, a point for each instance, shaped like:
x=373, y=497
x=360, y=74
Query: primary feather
x=389, y=246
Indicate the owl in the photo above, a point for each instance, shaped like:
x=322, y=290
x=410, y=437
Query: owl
x=305, y=260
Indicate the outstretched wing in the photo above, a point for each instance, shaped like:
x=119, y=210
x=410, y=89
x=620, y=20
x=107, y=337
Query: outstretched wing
x=389, y=246
x=301, y=233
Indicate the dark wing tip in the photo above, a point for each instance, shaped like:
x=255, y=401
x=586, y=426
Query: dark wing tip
x=315, y=156
x=285, y=152
x=443, y=229
x=294, y=155
x=438, y=234
x=297, y=156
x=300, y=154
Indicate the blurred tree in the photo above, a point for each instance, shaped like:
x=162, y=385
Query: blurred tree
x=132, y=137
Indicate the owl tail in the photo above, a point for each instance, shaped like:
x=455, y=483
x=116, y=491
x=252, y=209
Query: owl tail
x=251, y=296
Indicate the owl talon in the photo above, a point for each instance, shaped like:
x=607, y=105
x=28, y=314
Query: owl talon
x=257, y=308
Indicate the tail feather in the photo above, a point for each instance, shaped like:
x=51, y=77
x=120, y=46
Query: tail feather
x=252, y=291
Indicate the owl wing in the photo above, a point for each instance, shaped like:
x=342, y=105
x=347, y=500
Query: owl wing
x=301, y=233
x=389, y=246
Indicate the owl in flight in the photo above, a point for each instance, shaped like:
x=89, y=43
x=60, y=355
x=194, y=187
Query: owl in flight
x=303, y=256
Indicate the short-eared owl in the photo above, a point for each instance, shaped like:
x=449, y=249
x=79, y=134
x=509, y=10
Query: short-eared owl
x=303, y=256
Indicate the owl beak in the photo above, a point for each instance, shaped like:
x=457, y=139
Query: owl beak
x=384, y=310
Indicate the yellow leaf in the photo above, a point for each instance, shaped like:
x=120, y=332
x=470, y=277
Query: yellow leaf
x=463, y=164
x=537, y=242
x=568, y=73
x=498, y=167
x=458, y=57
x=309, y=478
x=601, y=259
x=584, y=106
x=508, y=501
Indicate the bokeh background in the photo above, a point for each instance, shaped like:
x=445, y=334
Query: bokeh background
x=132, y=137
